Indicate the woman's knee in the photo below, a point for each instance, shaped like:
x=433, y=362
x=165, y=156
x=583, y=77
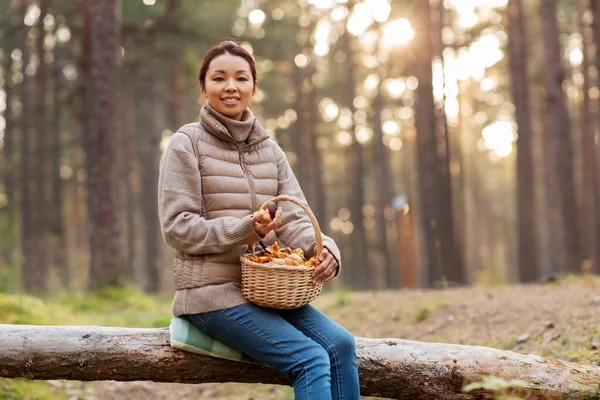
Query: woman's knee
x=313, y=360
x=316, y=358
x=343, y=344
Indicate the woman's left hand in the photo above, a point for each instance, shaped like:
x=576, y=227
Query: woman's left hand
x=326, y=267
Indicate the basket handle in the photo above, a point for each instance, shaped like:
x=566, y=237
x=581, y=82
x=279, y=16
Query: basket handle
x=311, y=216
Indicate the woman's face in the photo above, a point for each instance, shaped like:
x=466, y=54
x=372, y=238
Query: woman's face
x=228, y=85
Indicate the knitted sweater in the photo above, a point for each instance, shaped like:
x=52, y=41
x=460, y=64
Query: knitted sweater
x=213, y=175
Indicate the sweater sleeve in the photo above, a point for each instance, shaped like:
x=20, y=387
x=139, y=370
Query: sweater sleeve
x=296, y=230
x=180, y=206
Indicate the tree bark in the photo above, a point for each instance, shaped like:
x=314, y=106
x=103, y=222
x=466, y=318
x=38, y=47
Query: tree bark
x=175, y=89
x=386, y=275
x=361, y=276
x=57, y=219
x=595, y=7
x=308, y=165
x=442, y=252
x=150, y=117
x=426, y=150
x=395, y=368
x=105, y=260
x=128, y=164
x=39, y=152
x=467, y=194
x=558, y=128
x=588, y=218
x=317, y=199
x=299, y=129
x=518, y=53
x=29, y=274
x=7, y=164
x=298, y=140
x=86, y=133
x=455, y=270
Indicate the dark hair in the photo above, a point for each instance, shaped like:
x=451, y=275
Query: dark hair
x=225, y=47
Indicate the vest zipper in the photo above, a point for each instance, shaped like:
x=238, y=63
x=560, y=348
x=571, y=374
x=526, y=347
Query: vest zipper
x=249, y=181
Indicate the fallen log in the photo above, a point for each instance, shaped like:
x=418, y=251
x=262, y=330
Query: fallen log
x=395, y=368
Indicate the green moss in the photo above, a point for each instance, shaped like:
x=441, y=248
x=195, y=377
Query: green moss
x=592, y=280
x=161, y=321
x=499, y=386
x=114, y=306
x=119, y=306
x=591, y=394
x=425, y=306
x=22, y=389
x=576, y=353
x=342, y=298
x=109, y=299
x=24, y=309
x=422, y=314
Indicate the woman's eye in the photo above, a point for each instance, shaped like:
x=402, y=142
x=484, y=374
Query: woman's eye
x=242, y=79
x=218, y=79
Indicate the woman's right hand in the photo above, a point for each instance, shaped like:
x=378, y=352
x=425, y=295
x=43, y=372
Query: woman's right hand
x=263, y=225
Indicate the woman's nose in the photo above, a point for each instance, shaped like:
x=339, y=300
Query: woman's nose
x=230, y=84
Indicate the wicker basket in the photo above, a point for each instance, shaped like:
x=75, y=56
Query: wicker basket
x=282, y=286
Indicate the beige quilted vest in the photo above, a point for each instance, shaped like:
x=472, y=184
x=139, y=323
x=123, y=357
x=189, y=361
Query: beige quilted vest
x=234, y=183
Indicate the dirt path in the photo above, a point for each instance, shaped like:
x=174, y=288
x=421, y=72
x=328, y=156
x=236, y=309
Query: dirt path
x=558, y=320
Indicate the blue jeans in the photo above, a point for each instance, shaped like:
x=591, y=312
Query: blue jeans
x=316, y=353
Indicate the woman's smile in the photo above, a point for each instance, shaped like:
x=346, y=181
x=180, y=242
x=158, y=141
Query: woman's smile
x=230, y=100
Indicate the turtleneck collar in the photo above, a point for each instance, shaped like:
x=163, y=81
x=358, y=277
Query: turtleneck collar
x=237, y=130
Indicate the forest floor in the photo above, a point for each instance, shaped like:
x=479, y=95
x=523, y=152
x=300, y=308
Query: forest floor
x=556, y=320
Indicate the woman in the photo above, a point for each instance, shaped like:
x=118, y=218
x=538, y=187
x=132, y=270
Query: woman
x=213, y=175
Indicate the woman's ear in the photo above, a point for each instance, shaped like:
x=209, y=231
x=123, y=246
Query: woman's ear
x=255, y=88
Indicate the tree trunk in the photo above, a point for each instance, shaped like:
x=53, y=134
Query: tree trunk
x=7, y=167
x=559, y=134
x=595, y=7
x=317, y=199
x=394, y=368
x=87, y=134
x=128, y=171
x=105, y=260
x=526, y=226
x=387, y=275
x=361, y=277
x=298, y=137
x=455, y=270
x=299, y=129
x=151, y=109
x=442, y=253
x=426, y=148
x=466, y=183
x=29, y=273
x=175, y=82
x=589, y=220
x=39, y=152
x=57, y=227
x=307, y=167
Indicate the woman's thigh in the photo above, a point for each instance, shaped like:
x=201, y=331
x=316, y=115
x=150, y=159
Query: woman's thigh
x=261, y=333
x=318, y=326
